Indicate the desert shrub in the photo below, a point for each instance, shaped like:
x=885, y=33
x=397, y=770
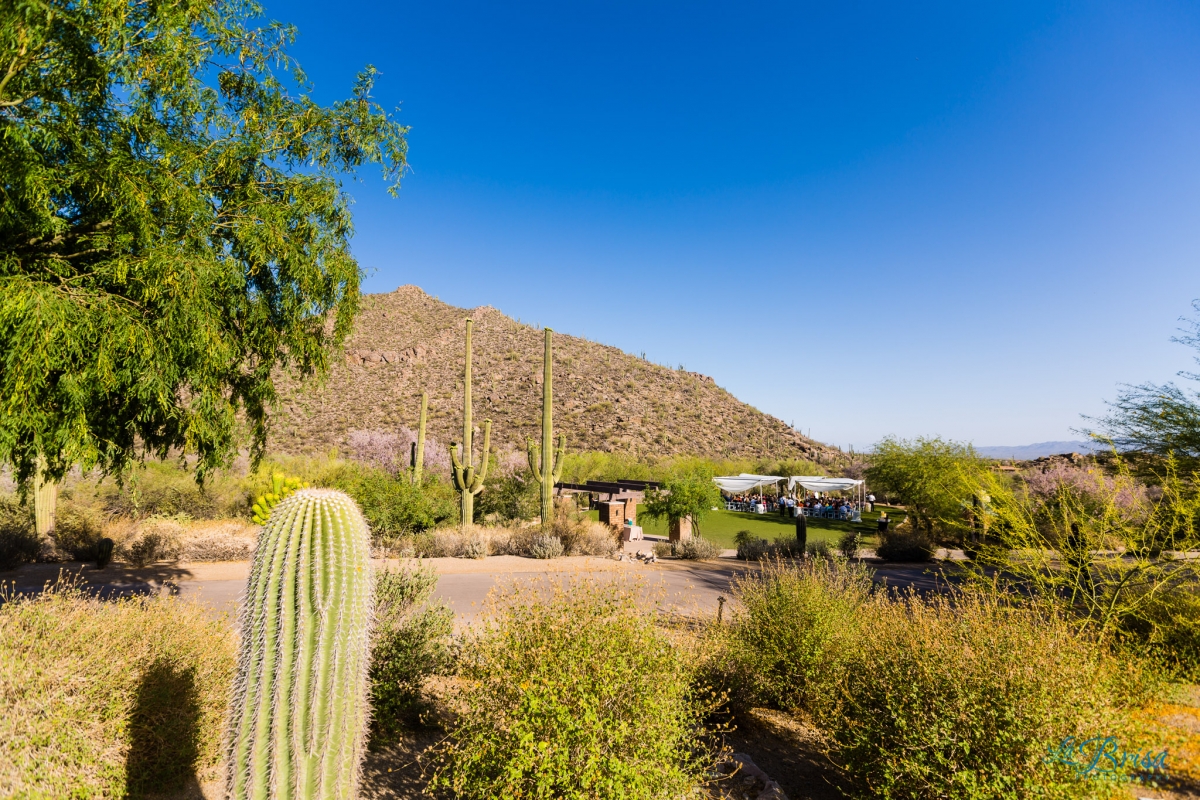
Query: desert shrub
x=77, y=531
x=511, y=496
x=849, y=543
x=544, y=546
x=795, y=631
x=570, y=526
x=18, y=539
x=393, y=505
x=818, y=548
x=110, y=699
x=157, y=540
x=905, y=546
x=698, y=549
x=217, y=541
x=664, y=549
x=474, y=547
x=167, y=488
x=570, y=690
x=750, y=547
x=786, y=547
x=960, y=697
x=411, y=642
x=597, y=540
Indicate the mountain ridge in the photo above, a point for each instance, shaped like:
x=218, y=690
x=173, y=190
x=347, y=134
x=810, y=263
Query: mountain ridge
x=604, y=399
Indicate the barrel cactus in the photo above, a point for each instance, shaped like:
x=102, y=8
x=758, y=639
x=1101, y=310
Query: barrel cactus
x=299, y=711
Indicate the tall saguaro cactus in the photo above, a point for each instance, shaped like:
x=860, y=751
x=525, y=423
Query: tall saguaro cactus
x=550, y=470
x=468, y=478
x=418, y=453
x=299, y=714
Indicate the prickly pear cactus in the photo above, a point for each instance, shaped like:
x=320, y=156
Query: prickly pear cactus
x=299, y=712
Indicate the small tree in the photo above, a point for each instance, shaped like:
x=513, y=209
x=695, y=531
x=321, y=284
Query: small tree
x=172, y=227
x=685, y=497
x=934, y=478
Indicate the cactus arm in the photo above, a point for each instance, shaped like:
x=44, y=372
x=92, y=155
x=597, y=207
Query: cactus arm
x=481, y=473
x=559, y=457
x=533, y=460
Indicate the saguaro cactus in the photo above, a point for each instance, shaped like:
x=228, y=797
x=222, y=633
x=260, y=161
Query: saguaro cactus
x=549, y=472
x=299, y=713
x=468, y=478
x=45, y=500
x=418, y=453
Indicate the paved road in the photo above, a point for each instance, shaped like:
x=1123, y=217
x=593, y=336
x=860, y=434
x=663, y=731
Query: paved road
x=683, y=587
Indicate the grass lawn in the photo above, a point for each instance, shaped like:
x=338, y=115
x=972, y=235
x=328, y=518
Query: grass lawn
x=722, y=526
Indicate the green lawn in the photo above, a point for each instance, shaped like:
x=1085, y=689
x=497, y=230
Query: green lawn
x=722, y=526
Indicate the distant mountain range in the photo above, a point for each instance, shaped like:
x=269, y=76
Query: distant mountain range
x=1028, y=452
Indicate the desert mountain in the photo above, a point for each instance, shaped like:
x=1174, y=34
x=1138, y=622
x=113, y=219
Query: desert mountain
x=604, y=399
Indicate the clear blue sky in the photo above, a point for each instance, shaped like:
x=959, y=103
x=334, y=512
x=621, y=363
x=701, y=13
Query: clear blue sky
x=966, y=219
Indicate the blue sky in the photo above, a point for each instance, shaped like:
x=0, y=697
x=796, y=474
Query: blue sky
x=966, y=219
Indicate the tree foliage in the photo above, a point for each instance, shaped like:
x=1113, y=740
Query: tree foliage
x=172, y=226
x=934, y=478
x=682, y=496
x=1149, y=422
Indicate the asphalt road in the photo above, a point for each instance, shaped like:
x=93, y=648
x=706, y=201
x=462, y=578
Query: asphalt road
x=681, y=587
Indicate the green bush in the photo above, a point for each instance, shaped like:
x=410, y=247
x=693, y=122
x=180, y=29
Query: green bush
x=569, y=690
x=411, y=642
x=509, y=498
x=795, y=632
x=751, y=547
x=849, y=543
x=110, y=698
x=18, y=539
x=392, y=505
x=905, y=546
x=960, y=697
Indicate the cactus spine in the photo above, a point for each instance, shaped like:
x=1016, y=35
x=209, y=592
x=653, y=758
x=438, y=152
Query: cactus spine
x=550, y=471
x=45, y=500
x=418, y=453
x=299, y=714
x=468, y=478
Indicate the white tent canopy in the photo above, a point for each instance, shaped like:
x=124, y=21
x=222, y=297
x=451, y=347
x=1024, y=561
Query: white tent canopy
x=818, y=484
x=745, y=482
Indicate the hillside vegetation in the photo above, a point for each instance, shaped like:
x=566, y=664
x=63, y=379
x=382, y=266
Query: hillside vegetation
x=604, y=399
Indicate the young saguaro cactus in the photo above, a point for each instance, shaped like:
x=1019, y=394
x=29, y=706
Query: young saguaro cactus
x=550, y=470
x=418, y=453
x=468, y=478
x=299, y=714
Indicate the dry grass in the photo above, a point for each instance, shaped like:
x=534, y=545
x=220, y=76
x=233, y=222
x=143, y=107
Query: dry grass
x=109, y=699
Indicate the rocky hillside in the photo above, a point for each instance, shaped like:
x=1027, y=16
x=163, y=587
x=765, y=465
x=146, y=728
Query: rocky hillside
x=604, y=399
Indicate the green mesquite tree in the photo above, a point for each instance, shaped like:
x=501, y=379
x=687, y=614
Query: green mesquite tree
x=549, y=472
x=298, y=718
x=418, y=453
x=172, y=227
x=468, y=478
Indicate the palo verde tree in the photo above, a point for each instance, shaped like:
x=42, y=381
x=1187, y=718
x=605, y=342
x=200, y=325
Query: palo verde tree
x=172, y=226
x=686, y=496
x=935, y=479
x=1151, y=423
